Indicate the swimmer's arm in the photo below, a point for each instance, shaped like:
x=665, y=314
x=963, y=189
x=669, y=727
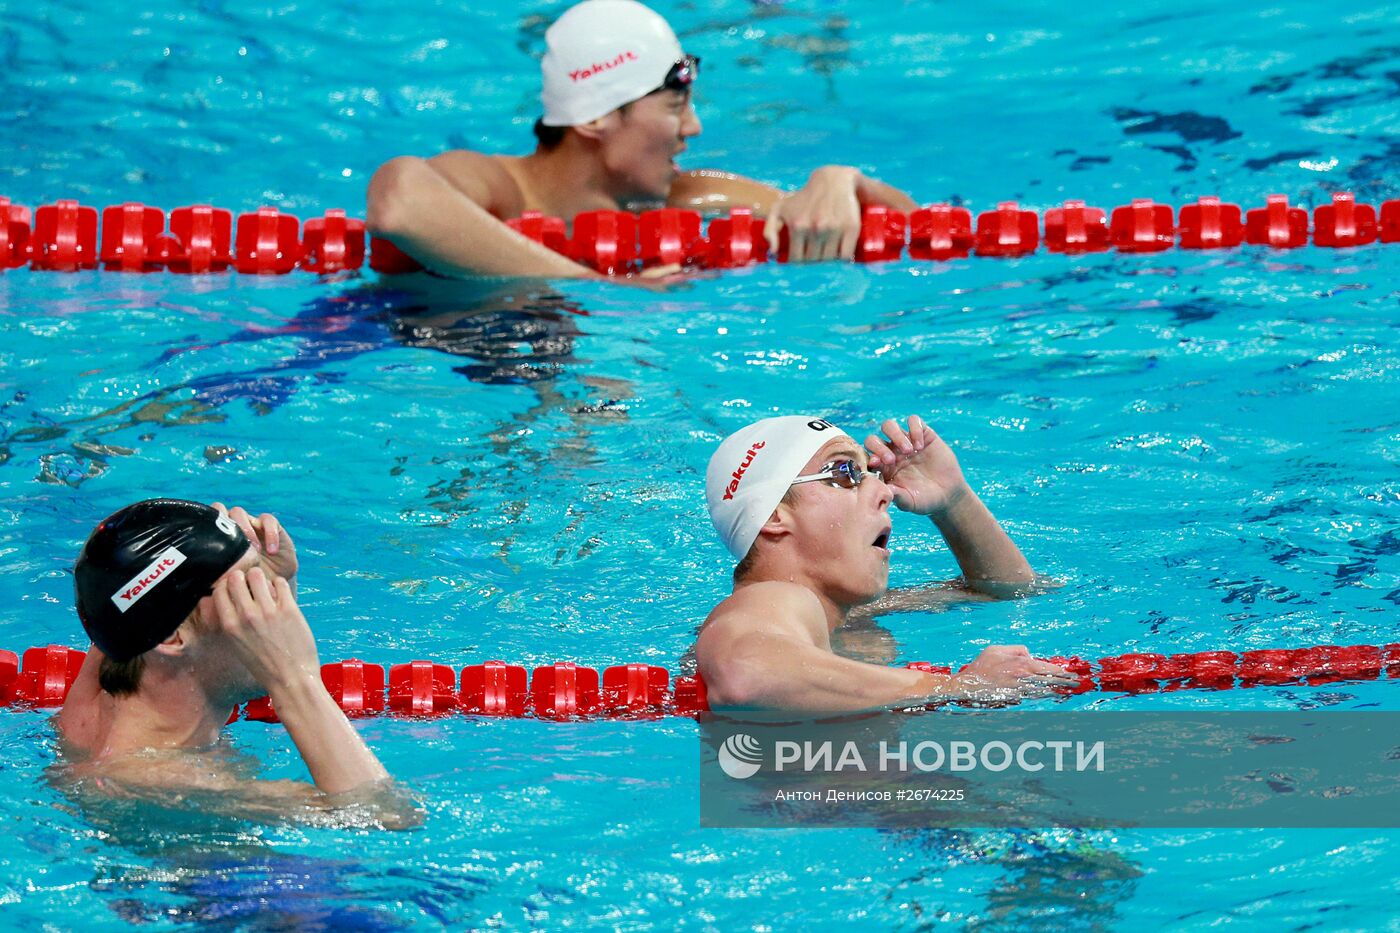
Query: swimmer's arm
x=709, y=190
x=930, y=597
x=762, y=671
x=444, y=213
x=270, y=635
x=215, y=790
x=990, y=561
x=77, y=721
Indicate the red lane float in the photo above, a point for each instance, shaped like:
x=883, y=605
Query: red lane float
x=333, y=243
x=14, y=235
x=940, y=231
x=131, y=238
x=881, y=235
x=1076, y=228
x=203, y=238
x=667, y=237
x=569, y=691
x=1209, y=224
x=1277, y=225
x=64, y=238
x=1142, y=227
x=1007, y=231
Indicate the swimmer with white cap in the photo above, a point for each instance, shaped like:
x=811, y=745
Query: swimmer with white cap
x=617, y=113
x=192, y=610
x=805, y=510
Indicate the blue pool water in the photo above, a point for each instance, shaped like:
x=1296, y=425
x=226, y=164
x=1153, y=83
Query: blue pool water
x=1201, y=446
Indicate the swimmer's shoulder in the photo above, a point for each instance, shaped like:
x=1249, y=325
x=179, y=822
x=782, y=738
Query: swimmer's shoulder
x=774, y=607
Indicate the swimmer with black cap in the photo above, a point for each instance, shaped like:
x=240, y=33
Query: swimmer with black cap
x=192, y=610
x=617, y=114
x=805, y=510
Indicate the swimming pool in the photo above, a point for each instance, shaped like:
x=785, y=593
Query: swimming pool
x=1201, y=445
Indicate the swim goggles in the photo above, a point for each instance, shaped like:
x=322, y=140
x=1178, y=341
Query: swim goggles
x=682, y=74
x=843, y=473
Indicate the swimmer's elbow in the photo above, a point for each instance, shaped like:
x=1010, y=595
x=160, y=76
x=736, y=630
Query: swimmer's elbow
x=738, y=684
x=393, y=189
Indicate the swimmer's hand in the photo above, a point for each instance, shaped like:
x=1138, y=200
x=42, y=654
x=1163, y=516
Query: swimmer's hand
x=270, y=636
x=822, y=218
x=918, y=466
x=1004, y=674
x=266, y=628
x=266, y=534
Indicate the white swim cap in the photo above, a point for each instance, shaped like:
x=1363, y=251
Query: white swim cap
x=600, y=55
x=752, y=470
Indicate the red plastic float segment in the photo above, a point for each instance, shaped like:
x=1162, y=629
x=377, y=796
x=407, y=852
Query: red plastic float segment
x=422, y=688
x=260, y=710
x=1331, y=663
x=881, y=234
x=201, y=239
x=1075, y=666
x=388, y=259
x=47, y=674
x=1142, y=227
x=266, y=242
x=333, y=243
x=1007, y=231
x=1206, y=669
x=493, y=689
x=357, y=687
x=564, y=691
x=1269, y=667
x=131, y=237
x=736, y=240
x=14, y=235
x=635, y=688
x=1276, y=224
x=1344, y=222
x=1388, y=230
x=9, y=673
x=1075, y=228
x=691, y=697
x=605, y=241
x=940, y=231
x=1133, y=673
x=928, y=668
x=65, y=237
x=547, y=231
x=1210, y=224
x=669, y=237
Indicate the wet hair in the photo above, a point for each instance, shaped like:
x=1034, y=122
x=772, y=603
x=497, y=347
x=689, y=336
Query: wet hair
x=121, y=678
x=549, y=137
x=745, y=566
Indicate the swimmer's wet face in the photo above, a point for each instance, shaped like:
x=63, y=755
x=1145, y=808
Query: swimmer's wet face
x=640, y=143
x=840, y=527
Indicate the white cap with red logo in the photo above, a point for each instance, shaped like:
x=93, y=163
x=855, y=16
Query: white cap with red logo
x=600, y=55
x=752, y=469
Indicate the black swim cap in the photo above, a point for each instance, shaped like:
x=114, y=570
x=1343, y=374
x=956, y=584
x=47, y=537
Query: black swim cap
x=145, y=568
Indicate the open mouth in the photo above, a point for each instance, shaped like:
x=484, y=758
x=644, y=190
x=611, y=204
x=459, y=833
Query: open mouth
x=882, y=541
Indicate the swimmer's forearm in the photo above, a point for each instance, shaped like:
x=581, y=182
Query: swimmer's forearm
x=336, y=756
x=873, y=191
x=803, y=678
x=414, y=206
x=984, y=551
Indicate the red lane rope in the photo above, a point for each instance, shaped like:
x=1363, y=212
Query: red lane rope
x=63, y=236
x=565, y=690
